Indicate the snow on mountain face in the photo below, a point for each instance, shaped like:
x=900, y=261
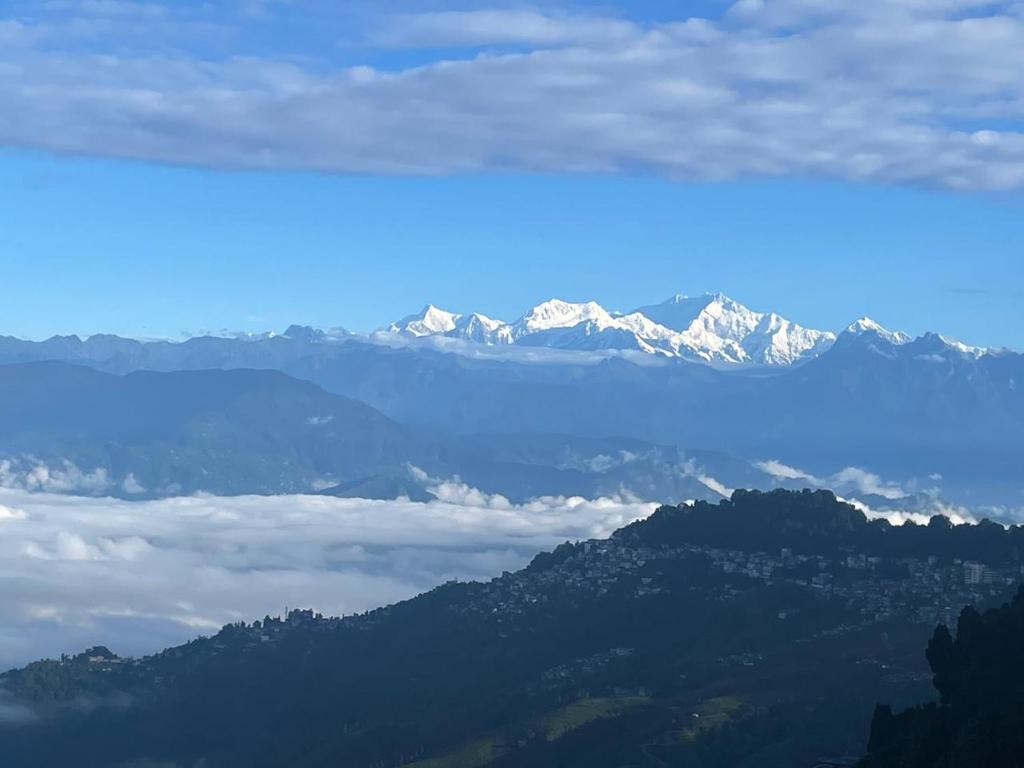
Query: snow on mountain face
x=777, y=341
x=678, y=312
x=711, y=328
x=433, y=321
x=868, y=326
x=429, y=322
x=590, y=326
x=958, y=346
x=715, y=328
x=931, y=347
x=481, y=329
x=561, y=314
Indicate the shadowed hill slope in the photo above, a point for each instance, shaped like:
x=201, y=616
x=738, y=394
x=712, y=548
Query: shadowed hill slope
x=978, y=721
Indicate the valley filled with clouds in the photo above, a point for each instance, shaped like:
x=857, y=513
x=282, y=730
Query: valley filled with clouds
x=143, y=575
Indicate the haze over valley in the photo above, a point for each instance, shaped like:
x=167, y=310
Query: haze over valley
x=581, y=406
x=346, y=472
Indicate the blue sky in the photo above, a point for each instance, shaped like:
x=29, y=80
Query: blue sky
x=246, y=165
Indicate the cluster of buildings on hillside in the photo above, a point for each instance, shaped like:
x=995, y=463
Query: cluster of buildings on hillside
x=873, y=589
x=926, y=591
x=594, y=567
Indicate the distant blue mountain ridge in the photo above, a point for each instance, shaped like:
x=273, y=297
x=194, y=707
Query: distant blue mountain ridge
x=927, y=415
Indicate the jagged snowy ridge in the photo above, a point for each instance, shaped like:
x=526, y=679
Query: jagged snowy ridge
x=711, y=328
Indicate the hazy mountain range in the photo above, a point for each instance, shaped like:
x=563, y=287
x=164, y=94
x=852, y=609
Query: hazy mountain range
x=68, y=428
x=535, y=406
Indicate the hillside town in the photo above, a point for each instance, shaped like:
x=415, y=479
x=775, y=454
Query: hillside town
x=923, y=591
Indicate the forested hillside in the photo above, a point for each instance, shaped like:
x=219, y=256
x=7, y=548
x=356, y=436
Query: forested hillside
x=978, y=721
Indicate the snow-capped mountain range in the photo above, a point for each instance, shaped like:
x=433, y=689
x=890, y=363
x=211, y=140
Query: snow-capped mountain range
x=711, y=328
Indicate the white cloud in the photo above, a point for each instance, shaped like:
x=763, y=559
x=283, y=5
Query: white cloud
x=957, y=515
x=11, y=513
x=514, y=352
x=785, y=472
x=62, y=477
x=603, y=462
x=140, y=575
x=716, y=486
x=908, y=92
x=866, y=482
x=848, y=479
x=689, y=468
x=131, y=485
x=32, y=474
x=501, y=26
x=457, y=492
x=890, y=501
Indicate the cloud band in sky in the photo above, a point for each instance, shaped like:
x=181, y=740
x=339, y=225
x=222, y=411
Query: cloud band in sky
x=905, y=92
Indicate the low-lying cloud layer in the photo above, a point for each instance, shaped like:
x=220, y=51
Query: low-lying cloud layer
x=878, y=498
x=141, y=575
x=31, y=474
x=907, y=92
x=849, y=479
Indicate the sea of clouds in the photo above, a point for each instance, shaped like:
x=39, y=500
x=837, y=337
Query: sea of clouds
x=141, y=575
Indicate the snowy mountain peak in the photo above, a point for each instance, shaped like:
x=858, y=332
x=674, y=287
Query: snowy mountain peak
x=863, y=324
x=717, y=328
x=679, y=311
x=711, y=328
x=866, y=325
x=475, y=318
x=556, y=313
x=964, y=349
x=429, y=321
x=482, y=329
